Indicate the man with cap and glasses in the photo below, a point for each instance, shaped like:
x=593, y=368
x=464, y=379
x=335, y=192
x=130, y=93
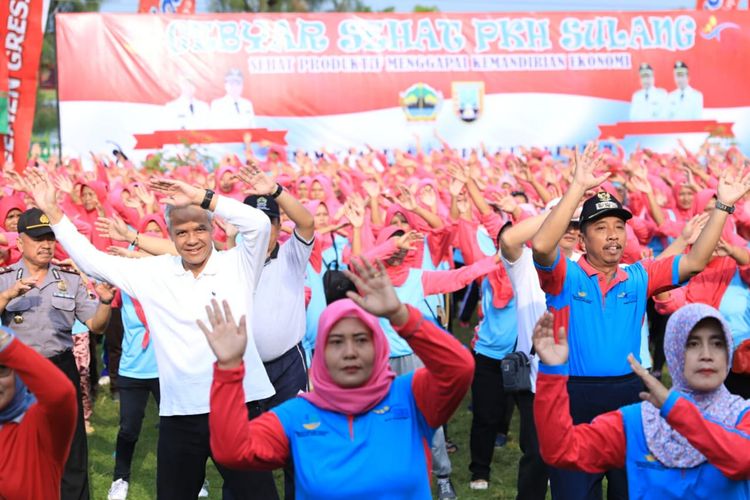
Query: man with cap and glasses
x=232, y=110
x=41, y=302
x=650, y=102
x=685, y=103
x=602, y=304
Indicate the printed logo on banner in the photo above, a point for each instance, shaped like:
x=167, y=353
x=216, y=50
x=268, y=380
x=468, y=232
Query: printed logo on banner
x=468, y=100
x=421, y=102
x=713, y=29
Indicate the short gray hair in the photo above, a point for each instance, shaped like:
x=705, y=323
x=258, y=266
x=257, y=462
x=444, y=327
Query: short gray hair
x=168, y=209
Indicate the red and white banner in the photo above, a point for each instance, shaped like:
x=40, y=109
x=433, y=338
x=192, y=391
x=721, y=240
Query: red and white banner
x=22, y=41
x=349, y=79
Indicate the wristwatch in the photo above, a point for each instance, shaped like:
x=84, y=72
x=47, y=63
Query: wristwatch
x=278, y=191
x=206, y=203
x=725, y=208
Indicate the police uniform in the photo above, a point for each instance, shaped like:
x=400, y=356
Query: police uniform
x=43, y=318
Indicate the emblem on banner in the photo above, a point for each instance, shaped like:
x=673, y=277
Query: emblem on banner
x=713, y=28
x=420, y=102
x=468, y=100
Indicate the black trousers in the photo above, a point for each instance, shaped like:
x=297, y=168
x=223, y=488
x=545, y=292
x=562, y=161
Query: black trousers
x=490, y=405
x=532, y=471
x=288, y=374
x=183, y=449
x=658, y=324
x=75, y=480
x=590, y=397
x=113, y=344
x=133, y=400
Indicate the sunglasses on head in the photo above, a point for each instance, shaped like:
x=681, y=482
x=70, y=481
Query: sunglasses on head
x=5, y=371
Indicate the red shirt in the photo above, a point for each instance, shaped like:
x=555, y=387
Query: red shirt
x=33, y=452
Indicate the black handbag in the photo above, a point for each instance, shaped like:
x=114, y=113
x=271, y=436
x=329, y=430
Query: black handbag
x=335, y=282
x=516, y=370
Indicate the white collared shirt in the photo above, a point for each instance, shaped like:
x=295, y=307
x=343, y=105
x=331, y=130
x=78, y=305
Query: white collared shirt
x=280, y=318
x=227, y=112
x=187, y=114
x=173, y=299
x=648, y=105
x=685, y=104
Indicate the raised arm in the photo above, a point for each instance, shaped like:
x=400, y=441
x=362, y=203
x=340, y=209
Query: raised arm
x=119, y=271
x=595, y=447
x=440, y=386
x=261, y=184
x=55, y=394
x=514, y=238
x=116, y=230
x=258, y=444
x=434, y=282
x=730, y=190
x=545, y=241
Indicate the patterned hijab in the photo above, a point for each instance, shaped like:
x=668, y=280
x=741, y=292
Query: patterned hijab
x=665, y=443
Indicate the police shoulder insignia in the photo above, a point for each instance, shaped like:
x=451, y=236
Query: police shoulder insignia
x=69, y=270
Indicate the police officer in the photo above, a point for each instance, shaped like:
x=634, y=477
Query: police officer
x=40, y=302
x=650, y=102
x=685, y=103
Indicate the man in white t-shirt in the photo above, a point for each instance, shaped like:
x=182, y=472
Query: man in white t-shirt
x=173, y=291
x=279, y=321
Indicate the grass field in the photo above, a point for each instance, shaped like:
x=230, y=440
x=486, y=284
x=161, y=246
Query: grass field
x=143, y=480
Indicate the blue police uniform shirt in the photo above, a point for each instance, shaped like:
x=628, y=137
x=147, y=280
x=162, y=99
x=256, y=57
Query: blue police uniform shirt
x=603, y=320
x=377, y=455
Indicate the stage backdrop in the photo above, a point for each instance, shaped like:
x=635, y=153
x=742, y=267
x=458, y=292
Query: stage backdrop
x=344, y=79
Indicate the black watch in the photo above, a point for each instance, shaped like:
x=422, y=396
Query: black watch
x=206, y=203
x=725, y=208
x=278, y=191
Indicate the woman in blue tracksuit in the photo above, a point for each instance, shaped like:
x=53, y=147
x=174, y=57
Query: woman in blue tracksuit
x=690, y=442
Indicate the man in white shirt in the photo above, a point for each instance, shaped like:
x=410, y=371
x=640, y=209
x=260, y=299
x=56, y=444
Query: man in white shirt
x=650, y=102
x=232, y=110
x=279, y=321
x=186, y=112
x=685, y=103
x=174, y=292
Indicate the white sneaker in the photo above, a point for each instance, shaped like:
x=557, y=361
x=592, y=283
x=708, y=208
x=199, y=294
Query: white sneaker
x=118, y=490
x=203, y=493
x=479, y=484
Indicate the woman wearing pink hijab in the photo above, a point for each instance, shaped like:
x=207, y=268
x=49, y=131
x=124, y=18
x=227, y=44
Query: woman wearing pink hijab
x=362, y=432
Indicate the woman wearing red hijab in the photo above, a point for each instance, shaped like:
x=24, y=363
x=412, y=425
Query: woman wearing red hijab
x=341, y=435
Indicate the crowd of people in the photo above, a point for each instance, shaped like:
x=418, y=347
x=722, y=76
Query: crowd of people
x=294, y=311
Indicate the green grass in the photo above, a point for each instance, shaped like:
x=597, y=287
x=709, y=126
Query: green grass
x=143, y=477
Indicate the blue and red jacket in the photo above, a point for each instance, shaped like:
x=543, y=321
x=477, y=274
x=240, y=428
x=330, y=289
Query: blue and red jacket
x=616, y=439
x=603, y=319
x=383, y=453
